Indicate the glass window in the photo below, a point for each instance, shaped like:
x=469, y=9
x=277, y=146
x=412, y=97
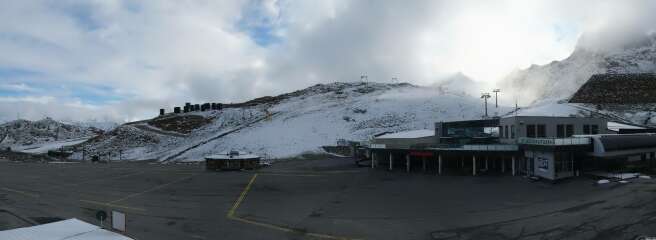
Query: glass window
x=512, y=131
x=560, y=131
x=586, y=129
x=595, y=129
x=530, y=130
x=505, y=131
x=569, y=130
x=542, y=131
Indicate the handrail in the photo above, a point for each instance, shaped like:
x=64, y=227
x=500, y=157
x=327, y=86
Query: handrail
x=554, y=141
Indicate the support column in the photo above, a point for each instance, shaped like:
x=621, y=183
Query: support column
x=528, y=166
x=391, y=159
x=513, y=165
x=373, y=159
x=571, y=159
x=474, y=165
x=486, y=164
x=423, y=159
x=503, y=164
x=439, y=164
x=407, y=162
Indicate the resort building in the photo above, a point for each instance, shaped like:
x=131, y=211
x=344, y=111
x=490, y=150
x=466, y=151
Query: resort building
x=547, y=147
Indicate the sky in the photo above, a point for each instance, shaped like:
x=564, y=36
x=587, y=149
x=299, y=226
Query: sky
x=120, y=60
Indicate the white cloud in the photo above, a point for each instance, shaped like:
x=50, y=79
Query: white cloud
x=16, y=87
x=163, y=53
x=28, y=99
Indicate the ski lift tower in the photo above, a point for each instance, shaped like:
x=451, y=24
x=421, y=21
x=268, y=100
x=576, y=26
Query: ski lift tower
x=485, y=96
x=496, y=97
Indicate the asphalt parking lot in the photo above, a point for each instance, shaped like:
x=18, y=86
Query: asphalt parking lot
x=324, y=198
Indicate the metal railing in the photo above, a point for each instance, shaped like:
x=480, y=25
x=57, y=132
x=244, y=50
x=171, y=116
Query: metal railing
x=491, y=147
x=477, y=147
x=554, y=141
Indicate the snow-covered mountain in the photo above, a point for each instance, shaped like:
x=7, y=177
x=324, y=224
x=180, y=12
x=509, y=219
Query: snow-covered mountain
x=22, y=134
x=289, y=124
x=461, y=84
x=558, y=80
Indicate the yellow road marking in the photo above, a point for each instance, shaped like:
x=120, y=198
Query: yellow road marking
x=112, y=205
x=291, y=175
x=21, y=192
x=312, y=172
x=231, y=213
x=152, y=189
x=231, y=216
x=99, y=179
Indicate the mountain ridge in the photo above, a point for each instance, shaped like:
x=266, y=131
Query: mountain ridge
x=291, y=123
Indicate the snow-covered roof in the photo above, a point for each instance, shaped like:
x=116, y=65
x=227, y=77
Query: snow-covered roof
x=409, y=134
x=228, y=155
x=71, y=229
x=615, y=126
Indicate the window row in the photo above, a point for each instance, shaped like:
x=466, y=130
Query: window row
x=506, y=131
x=562, y=130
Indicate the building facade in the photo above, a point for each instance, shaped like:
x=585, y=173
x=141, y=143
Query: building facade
x=547, y=147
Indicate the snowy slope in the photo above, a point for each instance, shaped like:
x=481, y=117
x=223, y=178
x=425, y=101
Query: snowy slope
x=42, y=134
x=300, y=122
x=546, y=88
x=560, y=79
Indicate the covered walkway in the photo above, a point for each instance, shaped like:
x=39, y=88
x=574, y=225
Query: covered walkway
x=471, y=159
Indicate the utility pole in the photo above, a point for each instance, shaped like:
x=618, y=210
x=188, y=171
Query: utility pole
x=485, y=96
x=496, y=97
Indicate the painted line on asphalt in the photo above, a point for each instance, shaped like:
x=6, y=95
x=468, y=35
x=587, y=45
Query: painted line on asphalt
x=99, y=179
x=231, y=213
x=312, y=172
x=152, y=189
x=32, y=195
x=113, y=205
x=291, y=175
x=242, y=196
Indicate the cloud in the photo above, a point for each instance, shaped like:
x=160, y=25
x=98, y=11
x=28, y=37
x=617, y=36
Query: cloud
x=123, y=60
x=16, y=87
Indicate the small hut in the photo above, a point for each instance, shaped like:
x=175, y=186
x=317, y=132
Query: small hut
x=232, y=160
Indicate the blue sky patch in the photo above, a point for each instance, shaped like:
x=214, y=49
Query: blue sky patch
x=259, y=26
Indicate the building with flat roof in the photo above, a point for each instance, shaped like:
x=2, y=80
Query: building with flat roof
x=547, y=147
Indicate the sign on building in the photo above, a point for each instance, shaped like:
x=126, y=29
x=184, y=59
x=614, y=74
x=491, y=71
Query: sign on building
x=543, y=164
x=421, y=154
x=118, y=221
x=377, y=145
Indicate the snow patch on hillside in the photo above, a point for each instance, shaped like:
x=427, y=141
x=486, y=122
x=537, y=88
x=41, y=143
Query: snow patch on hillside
x=560, y=79
x=42, y=135
x=303, y=121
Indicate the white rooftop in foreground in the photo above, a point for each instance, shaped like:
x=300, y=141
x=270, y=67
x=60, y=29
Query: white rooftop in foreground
x=615, y=126
x=71, y=229
x=409, y=134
